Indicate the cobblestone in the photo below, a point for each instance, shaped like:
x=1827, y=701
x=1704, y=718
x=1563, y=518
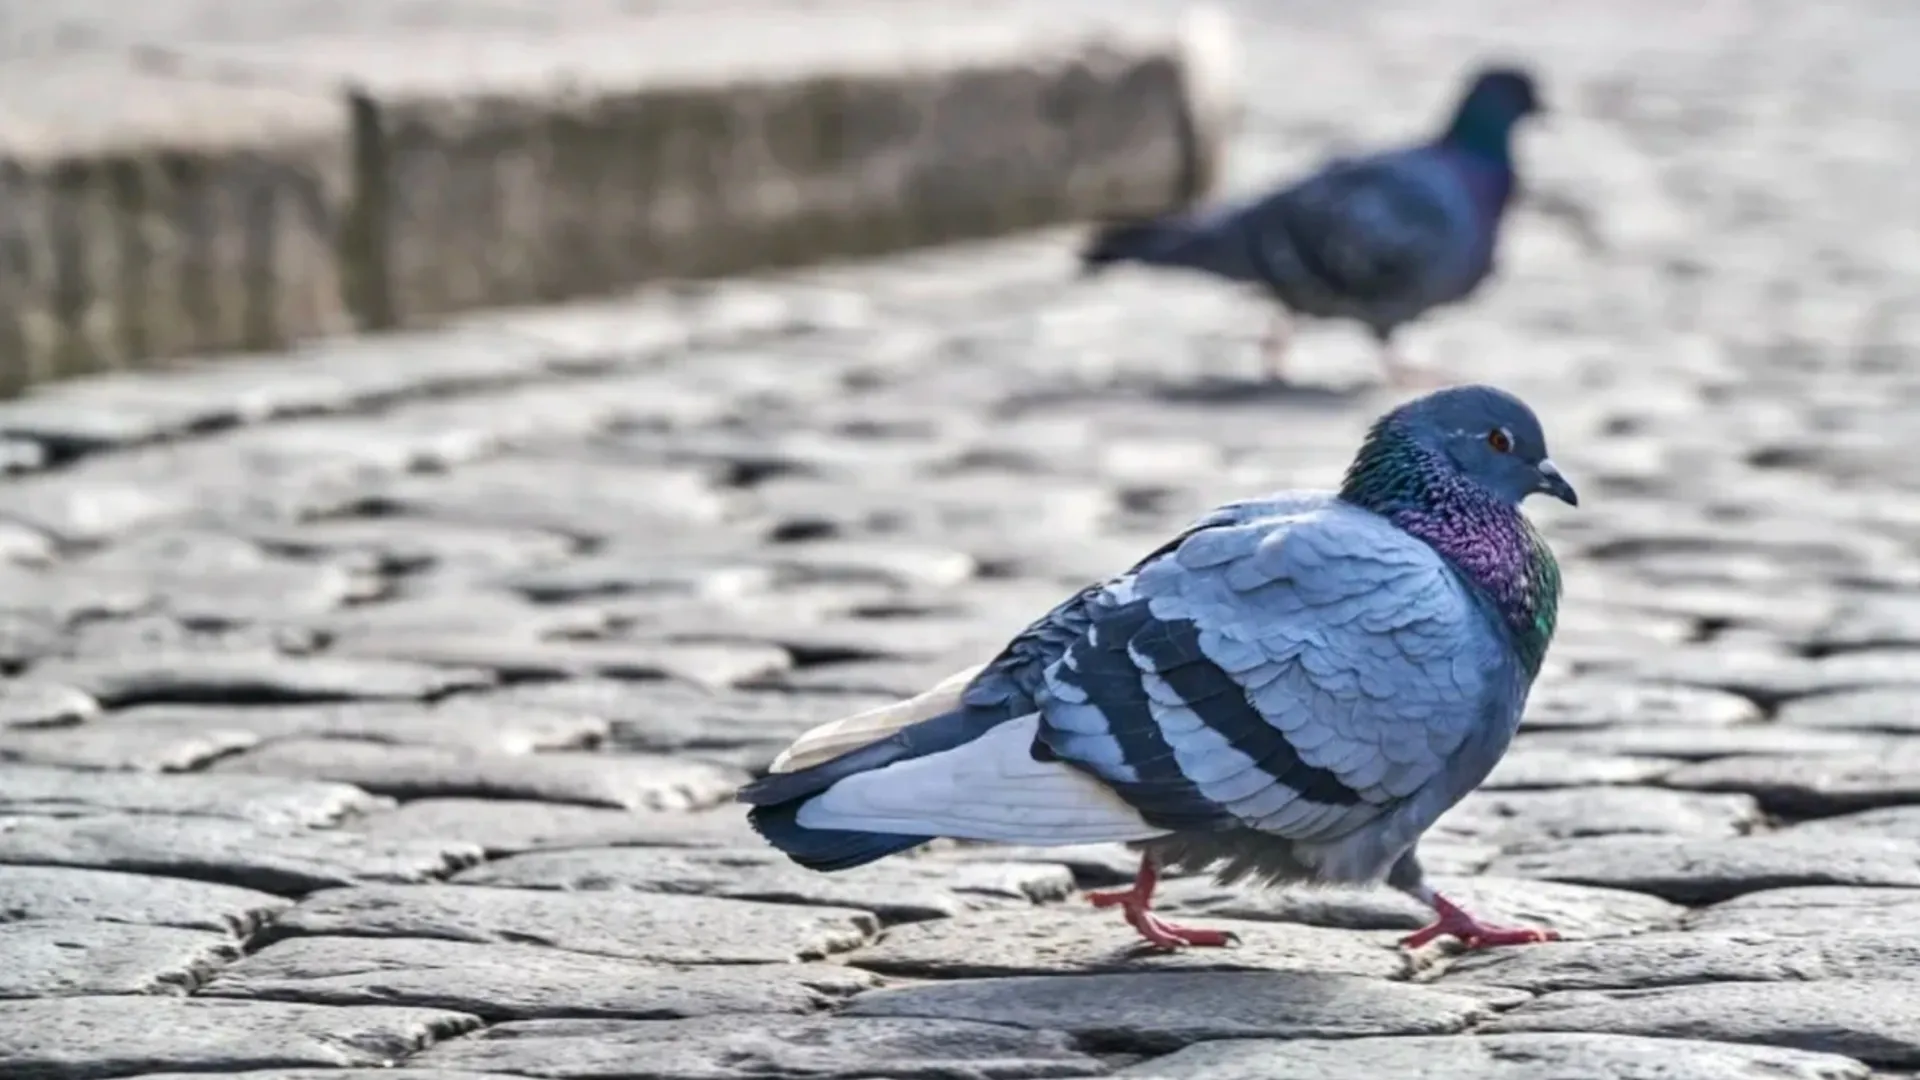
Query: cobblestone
x=46, y=958
x=1684, y=959
x=276, y=859
x=1499, y=1057
x=1696, y=871
x=38, y=791
x=30, y=894
x=659, y=929
x=500, y=981
x=94, y=1038
x=1148, y=1010
x=380, y=705
x=900, y=892
x=1863, y=1019
x=911, y=1049
x=1812, y=910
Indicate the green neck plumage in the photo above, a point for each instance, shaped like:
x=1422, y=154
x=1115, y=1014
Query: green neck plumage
x=1490, y=542
x=1539, y=614
x=1484, y=133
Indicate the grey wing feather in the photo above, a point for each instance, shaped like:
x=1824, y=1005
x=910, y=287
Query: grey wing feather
x=1015, y=679
x=1372, y=232
x=1303, y=674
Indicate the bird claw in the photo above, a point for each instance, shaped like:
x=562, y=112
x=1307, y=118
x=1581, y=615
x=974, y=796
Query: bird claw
x=1162, y=934
x=1136, y=903
x=1472, y=933
x=1481, y=937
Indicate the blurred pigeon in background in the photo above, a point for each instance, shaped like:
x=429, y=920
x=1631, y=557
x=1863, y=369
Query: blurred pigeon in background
x=1380, y=239
x=1293, y=689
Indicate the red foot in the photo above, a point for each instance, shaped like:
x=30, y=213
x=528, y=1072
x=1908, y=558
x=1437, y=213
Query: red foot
x=1136, y=903
x=1471, y=932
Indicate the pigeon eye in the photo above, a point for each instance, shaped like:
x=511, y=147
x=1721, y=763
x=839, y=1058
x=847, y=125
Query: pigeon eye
x=1500, y=440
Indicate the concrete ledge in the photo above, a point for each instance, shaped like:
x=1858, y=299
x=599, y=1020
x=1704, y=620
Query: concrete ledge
x=245, y=196
x=147, y=216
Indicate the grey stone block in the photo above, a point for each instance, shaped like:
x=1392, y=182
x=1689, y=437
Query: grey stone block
x=1149, y=1011
x=93, y=1038
x=748, y=1048
x=633, y=150
x=155, y=214
x=64, y=894
x=1499, y=1057
x=502, y=981
x=1868, y=1020
x=660, y=929
x=63, y=959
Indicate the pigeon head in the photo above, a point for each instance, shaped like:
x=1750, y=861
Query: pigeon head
x=1497, y=99
x=1492, y=438
x=1478, y=436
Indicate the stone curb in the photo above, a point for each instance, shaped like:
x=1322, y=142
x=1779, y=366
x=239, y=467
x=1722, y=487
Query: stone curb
x=242, y=198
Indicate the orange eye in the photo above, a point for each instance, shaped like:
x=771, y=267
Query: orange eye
x=1500, y=440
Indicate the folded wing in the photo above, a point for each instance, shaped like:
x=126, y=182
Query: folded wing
x=1386, y=234
x=1300, y=676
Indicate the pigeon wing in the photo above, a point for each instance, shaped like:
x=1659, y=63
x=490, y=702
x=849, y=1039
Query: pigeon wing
x=1302, y=675
x=1370, y=231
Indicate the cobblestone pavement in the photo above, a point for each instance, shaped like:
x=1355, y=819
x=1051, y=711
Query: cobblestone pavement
x=383, y=705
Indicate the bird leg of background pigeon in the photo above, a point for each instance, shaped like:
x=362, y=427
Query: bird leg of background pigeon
x=1136, y=902
x=1451, y=921
x=1274, y=346
x=1400, y=373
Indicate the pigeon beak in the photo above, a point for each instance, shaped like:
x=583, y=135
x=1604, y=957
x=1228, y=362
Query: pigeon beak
x=1552, y=483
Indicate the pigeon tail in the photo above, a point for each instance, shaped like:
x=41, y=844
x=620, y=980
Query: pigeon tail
x=777, y=798
x=1212, y=245
x=943, y=777
x=825, y=850
x=942, y=731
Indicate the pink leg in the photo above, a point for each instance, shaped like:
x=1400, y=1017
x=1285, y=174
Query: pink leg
x=1273, y=348
x=1407, y=376
x=1471, y=932
x=1136, y=903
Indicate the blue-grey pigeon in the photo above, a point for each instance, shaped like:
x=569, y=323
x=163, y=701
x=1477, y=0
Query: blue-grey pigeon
x=1380, y=239
x=1293, y=689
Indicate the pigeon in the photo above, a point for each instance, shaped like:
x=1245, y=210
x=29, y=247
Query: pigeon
x=1292, y=689
x=1380, y=239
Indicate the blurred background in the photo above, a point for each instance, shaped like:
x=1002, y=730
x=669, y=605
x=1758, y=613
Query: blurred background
x=459, y=441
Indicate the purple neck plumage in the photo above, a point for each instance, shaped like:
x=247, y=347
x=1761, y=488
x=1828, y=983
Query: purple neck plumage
x=1491, y=183
x=1487, y=540
x=1478, y=145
